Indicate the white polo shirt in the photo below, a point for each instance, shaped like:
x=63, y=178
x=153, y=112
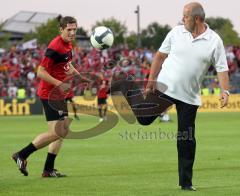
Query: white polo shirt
x=188, y=61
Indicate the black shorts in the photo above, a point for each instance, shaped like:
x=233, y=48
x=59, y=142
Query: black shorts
x=102, y=101
x=55, y=110
x=69, y=99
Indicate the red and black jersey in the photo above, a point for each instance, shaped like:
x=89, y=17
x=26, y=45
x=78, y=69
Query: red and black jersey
x=55, y=61
x=103, y=90
x=102, y=93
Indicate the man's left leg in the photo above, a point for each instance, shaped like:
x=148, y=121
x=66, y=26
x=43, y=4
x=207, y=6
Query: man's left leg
x=105, y=110
x=53, y=150
x=74, y=110
x=186, y=143
x=100, y=107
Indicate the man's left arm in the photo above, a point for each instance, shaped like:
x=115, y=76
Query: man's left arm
x=220, y=62
x=74, y=72
x=224, y=85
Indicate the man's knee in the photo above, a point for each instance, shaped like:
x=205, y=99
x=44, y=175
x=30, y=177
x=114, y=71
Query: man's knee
x=62, y=131
x=61, y=128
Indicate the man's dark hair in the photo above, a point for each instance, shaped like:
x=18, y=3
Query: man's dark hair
x=66, y=20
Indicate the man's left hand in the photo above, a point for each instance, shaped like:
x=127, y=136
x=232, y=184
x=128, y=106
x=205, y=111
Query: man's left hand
x=224, y=99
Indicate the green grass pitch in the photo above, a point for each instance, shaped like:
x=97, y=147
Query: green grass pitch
x=118, y=164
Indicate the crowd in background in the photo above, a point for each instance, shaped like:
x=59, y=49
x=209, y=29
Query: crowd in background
x=18, y=68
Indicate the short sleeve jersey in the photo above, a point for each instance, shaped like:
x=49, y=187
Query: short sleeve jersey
x=55, y=61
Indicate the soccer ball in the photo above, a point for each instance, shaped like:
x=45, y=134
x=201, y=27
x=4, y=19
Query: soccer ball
x=101, y=38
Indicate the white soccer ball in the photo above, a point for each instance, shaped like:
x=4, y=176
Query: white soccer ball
x=102, y=38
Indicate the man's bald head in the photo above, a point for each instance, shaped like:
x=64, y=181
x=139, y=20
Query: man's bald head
x=196, y=9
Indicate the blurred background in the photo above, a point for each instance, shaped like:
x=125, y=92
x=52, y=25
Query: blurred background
x=130, y=159
x=139, y=29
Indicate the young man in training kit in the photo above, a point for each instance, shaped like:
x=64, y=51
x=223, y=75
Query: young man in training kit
x=54, y=68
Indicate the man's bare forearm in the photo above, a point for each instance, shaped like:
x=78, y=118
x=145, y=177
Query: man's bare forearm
x=223, y=80
x=73, y=70
x=43, y=74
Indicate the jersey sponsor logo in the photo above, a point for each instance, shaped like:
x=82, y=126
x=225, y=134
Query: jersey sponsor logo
x=60, y=112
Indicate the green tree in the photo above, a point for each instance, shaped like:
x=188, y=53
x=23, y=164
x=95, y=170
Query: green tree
x=4, y=38
x=119, y=29
x=45, y=32
x=29, y=36
x=224, y=28
x=131, y=40
x=154, y=35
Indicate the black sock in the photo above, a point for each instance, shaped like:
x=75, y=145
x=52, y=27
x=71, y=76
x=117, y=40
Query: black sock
x=74, y=110
x=25, y=152
x=100, y=112
x=49, y=164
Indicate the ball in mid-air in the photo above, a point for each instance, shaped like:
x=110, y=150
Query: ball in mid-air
x=101, y=38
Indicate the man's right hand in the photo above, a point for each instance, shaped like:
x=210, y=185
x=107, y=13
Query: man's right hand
x=65, y=87
x=151, y=86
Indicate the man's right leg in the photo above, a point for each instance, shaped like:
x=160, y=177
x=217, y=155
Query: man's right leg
x=39, y=142
x=74, y=108
x=105, y=111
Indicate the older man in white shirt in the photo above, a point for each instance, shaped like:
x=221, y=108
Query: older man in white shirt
x=180, y=65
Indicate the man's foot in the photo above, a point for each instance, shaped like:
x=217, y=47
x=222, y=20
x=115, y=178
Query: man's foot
x=101, y=119
x=21, y=163
x=52, y=174
x=188, y=188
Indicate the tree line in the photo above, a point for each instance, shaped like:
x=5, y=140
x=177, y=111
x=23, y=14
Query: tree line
x=151, y=37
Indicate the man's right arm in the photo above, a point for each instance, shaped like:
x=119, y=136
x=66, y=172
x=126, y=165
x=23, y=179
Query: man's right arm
x=155, y=69
x=157, y=65
x=43, y=74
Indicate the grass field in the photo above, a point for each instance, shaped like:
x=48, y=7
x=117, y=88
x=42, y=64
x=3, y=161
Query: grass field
x=112, y=164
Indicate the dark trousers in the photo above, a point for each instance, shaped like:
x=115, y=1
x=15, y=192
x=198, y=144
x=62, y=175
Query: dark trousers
x=186, y=143
x=148, y=109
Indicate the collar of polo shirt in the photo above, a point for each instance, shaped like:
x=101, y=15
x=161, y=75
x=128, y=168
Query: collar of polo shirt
x=204, y=35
